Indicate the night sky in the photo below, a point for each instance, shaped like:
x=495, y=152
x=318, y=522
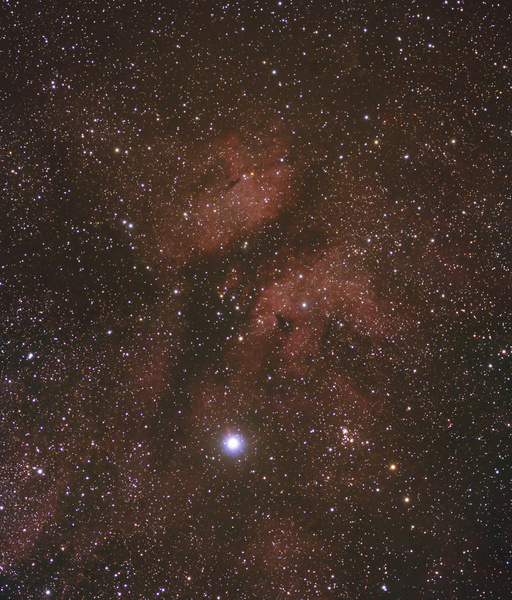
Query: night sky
x=255, y=300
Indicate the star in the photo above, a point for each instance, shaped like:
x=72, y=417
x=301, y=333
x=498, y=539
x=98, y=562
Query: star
x=233, y=444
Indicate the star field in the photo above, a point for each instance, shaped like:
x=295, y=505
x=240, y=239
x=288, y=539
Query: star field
x=255, y=300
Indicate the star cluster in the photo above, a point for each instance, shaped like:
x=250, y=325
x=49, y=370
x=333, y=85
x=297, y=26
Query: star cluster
x=255, y=300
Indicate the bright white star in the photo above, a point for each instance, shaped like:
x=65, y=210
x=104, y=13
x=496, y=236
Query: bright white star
x=233, y=444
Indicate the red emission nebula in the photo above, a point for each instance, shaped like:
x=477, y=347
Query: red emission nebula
x=255, y=301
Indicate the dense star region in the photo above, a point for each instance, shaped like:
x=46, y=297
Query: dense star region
x=255, y=300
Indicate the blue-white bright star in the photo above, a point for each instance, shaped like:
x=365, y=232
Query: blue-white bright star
x=233, y=444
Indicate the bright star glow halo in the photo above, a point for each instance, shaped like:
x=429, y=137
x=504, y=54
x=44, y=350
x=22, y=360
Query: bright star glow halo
x=233, y=443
